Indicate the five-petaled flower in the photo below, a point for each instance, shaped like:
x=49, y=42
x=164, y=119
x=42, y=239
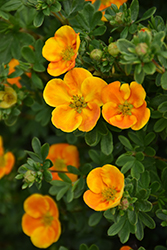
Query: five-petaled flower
x=106, y=186
x=77, y=99
x=8, y=97
x=7, y=160
x=125, y=105
x=61, y=50
x=40, y=220
x=62, y=155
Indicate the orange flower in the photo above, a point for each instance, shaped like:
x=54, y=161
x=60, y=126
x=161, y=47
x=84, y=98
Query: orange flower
x=61, y=50
x=125, y=106
x=7, y=160
x=77, y=99
x=62, y=155
x=107, y=3
x=126, y=248
x=16, y=80
x=40, y=220
x=106, y=186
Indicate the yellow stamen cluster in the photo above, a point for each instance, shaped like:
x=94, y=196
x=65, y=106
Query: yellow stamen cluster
x=47, y=219
x=68, y=53
x=125, y=108
x=78, y=103
x=109, y=194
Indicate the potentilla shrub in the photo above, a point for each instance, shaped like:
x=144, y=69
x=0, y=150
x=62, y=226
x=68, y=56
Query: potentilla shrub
x=83, y=110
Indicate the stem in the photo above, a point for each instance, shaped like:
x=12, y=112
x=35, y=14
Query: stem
x=158, y=67
x=60, y=17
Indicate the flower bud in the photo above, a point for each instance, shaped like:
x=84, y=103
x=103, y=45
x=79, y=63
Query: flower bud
x=141, y=49
x=29, y=176
x=96, y=54
x=8, y=97
x=113, y=49
x=118, y=17
x=124, y=204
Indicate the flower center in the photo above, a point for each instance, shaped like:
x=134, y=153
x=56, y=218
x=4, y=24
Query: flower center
x=2, y=161
x=59, y=164
x=47, y=219
x=9, y=98
x=109, y=194
x=78, y=103
x=68, y=53
x=125, y=108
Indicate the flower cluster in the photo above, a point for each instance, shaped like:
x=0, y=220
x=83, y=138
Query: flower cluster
x=7, y=160
x=62, y=155
x=40, y=220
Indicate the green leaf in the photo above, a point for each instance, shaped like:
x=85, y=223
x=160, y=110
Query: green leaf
x=160, y=125
x=92, y=138
x=44, y=151
x=132, y=217
x=136, y=139
x=56, y=7
x=62, y=192
x=147, y=14
x=147, y=220
x=144, y=206
x=149, y=138
x=149, y=68
x=28, y=54
x=127, y=166
x=124, y=45
x=36, y=145
x=134, y=7
x=124, y=32
x=161, y=215
x=125, y=142
x=107, y=144
x=39, y=18
x=70, y=195
x=83, y=247
x=137, y=169
x=94, y=219
x=124, y=158
x=47, y=175
x=139, y=230
x=116, y=227
x=64, y=177
x=93, y=247
x=160, y=248
x=36, y=81
x=34, y=156
x=63, y=248
x=145, y=179
x=162, y=107
x=164, y=80
x=11, y=5
x=124, y=232
x=99, y=31
x=139, y=77
x=59, y=183
x=73, y=170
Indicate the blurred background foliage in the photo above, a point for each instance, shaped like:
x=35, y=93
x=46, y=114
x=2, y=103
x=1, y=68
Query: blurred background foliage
x=141, y=155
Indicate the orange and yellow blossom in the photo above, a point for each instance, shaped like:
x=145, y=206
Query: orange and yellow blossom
x=106, y=186
x=61, y=50
x=40, y=220
x=7, y=160
x=126, y=248
x=125, y=106
x=107, y=3
x=77, y=99
x=62, y=155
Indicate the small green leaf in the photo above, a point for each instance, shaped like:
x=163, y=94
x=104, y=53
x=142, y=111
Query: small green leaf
x=149, y=68
x=44, y=150
x=149, y=138
x=147, y=220
x=93, y=247
x=124, y=232
x=64, y=177
x=160, y=125
x=39, y=18
x=62, y=192
x=28, y=54
x=36, y=145
x=132, y=217
x=139, y=230
x=124, y=45
x=36, y=81
x=94, y=219
x=147, y=14
x=73, y=170
x=125, y=142
x=134, y=7
x=83, y=247
x=139, y=77
x=47, y=175
x=92, y=138
x=116, y=227
x=164, y=80
x=107, y=144
x=70, y=195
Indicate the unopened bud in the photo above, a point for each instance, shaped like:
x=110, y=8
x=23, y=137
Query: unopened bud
x=96, y=54
x=141, y=49
x=124, y=204
x=29, y=176
x=118, y=17
x=113, y=49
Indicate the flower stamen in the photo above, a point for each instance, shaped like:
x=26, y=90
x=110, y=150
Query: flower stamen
x=47, y=219
x=109, y=194
x=68, y=53
x=125, y=108
x=78, y=103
